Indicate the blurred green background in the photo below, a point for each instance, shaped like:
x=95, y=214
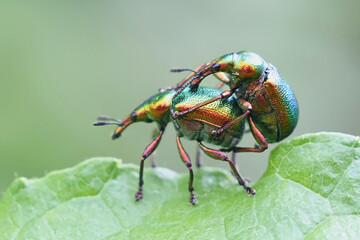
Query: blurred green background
x=63, y=63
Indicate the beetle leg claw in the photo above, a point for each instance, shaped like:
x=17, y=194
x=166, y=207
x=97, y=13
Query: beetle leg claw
x=139, y=194
x=193, y=200
x=250, y=191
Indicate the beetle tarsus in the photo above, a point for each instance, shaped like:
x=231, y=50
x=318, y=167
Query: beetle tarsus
x=250, y=191
x=139, y=195
x=193, y=200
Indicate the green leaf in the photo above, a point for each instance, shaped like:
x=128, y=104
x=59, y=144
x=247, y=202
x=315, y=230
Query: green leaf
x=311, y=190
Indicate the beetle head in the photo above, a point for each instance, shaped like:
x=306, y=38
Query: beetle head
x=242, y=67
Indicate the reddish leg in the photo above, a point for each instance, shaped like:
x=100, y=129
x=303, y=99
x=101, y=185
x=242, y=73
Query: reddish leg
x=230, y=124
x=221, y=156
x=260, y=139
x=148, y=151
x=245, y=105
x=185, y=157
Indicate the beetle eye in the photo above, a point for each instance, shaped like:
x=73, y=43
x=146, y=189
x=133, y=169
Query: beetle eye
x=215, y=68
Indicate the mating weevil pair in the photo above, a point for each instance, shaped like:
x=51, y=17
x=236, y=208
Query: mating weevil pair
x=209, y=115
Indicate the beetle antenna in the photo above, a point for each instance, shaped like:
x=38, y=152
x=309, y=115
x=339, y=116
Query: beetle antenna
x=107, y=118
x=106, y=123
x=183, y=70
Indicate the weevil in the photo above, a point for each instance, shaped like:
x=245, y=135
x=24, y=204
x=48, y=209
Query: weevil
x=197, y=125
x=268, y=102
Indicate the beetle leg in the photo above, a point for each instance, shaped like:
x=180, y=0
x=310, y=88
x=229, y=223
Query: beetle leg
x=230, y=124
x=148, y=151
x=245, y=105
x=198, y=157
x=224, y=79
x=233, y=159
x=221, y=156
x=260, y=139
x=185, y=157
x=154, y=135
x=177, y=114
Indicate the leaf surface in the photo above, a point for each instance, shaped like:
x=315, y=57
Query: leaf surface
x=310, y=190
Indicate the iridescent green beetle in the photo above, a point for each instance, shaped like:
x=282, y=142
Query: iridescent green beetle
x=197, y=125
x=267, y=100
